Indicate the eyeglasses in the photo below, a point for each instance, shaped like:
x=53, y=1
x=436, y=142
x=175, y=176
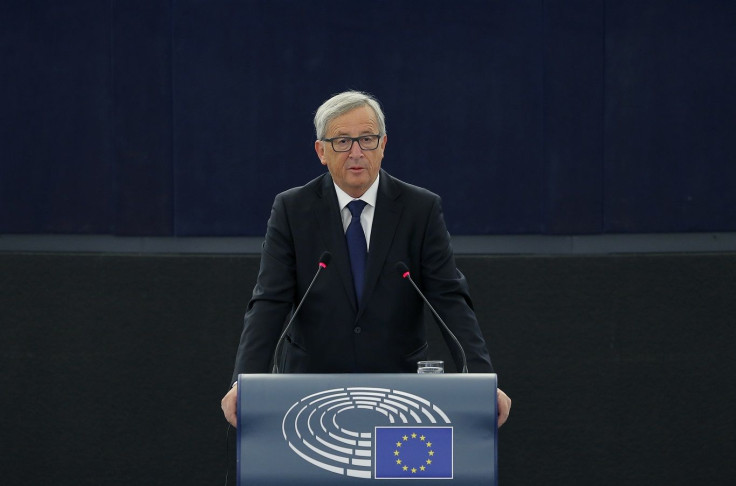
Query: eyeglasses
x=344, y=144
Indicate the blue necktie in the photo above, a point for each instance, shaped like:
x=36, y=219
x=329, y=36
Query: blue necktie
x=357, y=246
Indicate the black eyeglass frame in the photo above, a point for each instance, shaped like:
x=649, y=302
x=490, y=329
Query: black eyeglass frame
x=353, y=140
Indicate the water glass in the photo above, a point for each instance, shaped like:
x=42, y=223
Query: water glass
x=428, y=367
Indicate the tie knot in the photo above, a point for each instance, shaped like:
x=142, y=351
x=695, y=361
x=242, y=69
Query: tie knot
x=356, y=207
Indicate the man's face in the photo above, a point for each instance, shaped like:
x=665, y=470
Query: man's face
x=353, y=171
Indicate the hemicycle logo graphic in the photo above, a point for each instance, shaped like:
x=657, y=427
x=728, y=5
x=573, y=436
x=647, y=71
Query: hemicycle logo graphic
x=371, y=433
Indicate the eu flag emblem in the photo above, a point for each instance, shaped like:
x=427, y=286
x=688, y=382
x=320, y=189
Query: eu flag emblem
x=413, y=452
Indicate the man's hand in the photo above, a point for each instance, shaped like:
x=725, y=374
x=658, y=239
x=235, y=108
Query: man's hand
x=504, y=407
x=229, y=405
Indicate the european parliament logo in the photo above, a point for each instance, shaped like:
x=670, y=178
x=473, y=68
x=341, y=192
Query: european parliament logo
x=371, y=433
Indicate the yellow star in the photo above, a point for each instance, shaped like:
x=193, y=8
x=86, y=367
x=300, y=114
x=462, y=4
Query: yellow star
x=429, y=444
x=405, y=438
x=405, y=468
x=396, y=453
x=398, y=461
x=413, y=470
x=429, y=461
x=431, y=453
x=422, y=438
x=398, y=444
x=414, y=436
x=422, y=468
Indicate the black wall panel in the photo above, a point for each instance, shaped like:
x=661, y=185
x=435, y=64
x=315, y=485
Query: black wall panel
x=620, y=367
x=143, y=118
x=670, y=116
x=573, y=93
x=56, y=156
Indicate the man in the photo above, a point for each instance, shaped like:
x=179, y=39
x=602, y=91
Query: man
x=360, y=316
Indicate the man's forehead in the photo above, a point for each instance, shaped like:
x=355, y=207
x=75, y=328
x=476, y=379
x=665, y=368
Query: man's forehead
x=362, y=118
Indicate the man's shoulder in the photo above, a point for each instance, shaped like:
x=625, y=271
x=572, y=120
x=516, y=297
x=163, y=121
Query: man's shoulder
x=398, y=188
x=391, y=186
x=312, y=188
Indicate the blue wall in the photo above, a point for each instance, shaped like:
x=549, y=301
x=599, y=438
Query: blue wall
x=186, y=117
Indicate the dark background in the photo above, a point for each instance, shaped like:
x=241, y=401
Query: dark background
x=621, y=367
x=184, y=118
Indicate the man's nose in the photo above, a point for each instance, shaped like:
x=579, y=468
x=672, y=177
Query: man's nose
x=355, y=150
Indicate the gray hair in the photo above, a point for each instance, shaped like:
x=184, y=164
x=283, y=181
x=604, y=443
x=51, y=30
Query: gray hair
x=343, y=103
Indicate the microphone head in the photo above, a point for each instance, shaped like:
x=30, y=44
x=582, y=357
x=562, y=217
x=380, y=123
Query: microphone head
x=402, y=269
x=324, y=259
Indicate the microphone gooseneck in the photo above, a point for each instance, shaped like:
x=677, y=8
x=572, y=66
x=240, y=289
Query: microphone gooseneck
x=406, y=274
x=324, y=260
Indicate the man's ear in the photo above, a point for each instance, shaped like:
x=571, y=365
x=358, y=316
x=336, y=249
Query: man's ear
x=319, y=147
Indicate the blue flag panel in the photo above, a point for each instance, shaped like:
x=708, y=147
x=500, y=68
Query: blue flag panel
x=413, y=452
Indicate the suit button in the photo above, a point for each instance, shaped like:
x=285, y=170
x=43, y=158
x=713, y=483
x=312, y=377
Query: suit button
x=357, y=330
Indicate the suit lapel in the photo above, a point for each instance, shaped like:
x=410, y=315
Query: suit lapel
x=329, y=223
x=385, y=220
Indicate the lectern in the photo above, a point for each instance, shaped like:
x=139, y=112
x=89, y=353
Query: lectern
x=362, y=429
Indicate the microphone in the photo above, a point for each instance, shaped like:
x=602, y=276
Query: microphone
x=404, y=272
x=324, y=259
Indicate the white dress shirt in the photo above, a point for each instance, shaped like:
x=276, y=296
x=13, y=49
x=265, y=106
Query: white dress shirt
x=366, y=217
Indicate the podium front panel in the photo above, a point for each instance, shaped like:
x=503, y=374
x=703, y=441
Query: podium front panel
x=361, y=429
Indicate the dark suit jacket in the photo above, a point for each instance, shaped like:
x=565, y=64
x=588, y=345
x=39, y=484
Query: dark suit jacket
x=331, y=333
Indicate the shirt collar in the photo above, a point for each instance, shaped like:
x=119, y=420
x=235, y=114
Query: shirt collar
x=368, y=196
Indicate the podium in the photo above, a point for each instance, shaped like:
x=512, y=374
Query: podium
x=359, y=429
